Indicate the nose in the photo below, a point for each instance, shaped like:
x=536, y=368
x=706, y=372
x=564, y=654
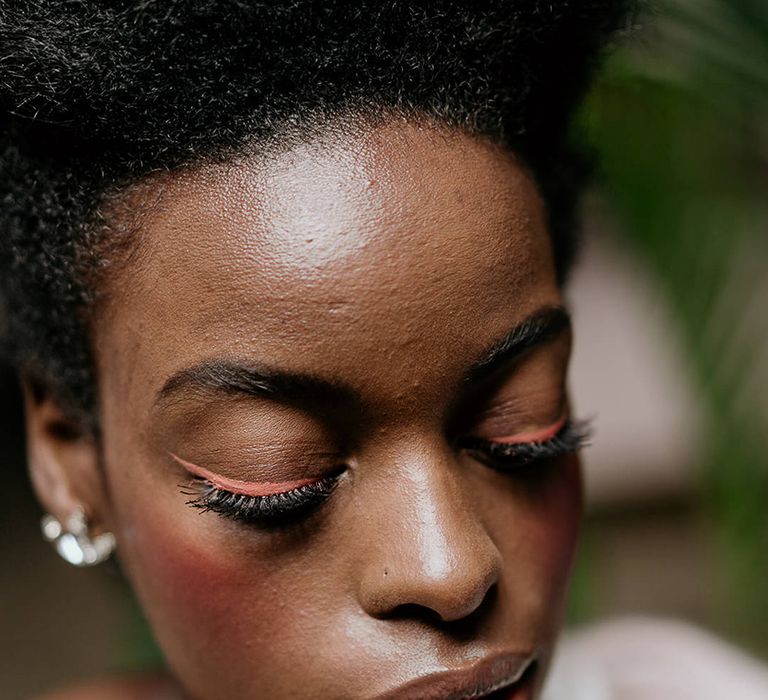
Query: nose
x=429, y=552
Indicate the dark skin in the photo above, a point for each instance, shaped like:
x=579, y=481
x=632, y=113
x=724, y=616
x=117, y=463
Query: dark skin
x=379, y=265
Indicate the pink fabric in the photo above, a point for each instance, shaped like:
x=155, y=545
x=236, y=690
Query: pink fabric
x=647, y=659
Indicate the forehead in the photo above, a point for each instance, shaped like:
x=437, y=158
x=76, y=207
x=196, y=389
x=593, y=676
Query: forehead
x=375, y=256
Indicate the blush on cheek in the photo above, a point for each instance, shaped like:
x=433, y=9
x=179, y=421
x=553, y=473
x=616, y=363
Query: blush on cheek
x=207, y=603
x=559, y=519
x=546, y=536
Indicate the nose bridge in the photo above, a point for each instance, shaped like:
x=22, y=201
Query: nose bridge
x=433, y=551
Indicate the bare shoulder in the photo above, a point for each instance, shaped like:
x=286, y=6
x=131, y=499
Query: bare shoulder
x=647, y=658
x=154, y=686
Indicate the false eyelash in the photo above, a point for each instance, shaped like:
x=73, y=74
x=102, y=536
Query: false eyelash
x=271, y=510
x=509, y=457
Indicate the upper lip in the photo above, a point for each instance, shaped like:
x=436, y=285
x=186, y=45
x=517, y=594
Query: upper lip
x=490, y=674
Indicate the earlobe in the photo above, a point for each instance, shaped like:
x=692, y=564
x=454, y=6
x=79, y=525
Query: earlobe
x=63, y=459
x=73, y=541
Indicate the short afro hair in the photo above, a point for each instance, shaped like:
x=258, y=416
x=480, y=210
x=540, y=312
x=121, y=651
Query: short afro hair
x=97, y=94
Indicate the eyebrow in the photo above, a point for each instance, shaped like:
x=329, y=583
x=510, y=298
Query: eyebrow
x=224, y=375
x=541, y=327
x=228, y=376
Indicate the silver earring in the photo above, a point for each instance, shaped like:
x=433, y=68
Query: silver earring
x=72, y=541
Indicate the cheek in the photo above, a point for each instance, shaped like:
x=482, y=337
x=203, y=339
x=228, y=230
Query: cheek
x=213, y=608
x=192, y=583
x=556, y=527
x=541, y=543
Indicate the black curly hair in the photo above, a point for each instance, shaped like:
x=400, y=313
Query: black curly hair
x=96, y=95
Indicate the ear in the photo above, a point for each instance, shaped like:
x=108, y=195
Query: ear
x=63, y=458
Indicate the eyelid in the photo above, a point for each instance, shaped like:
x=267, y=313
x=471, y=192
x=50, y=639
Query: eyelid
x=242, y=488
x=539, y=435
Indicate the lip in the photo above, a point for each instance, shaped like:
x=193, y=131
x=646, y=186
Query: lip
x=490, y=675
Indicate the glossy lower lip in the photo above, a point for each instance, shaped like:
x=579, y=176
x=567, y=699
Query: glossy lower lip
x=488, y=676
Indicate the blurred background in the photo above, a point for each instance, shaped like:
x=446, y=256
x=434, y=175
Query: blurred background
x=671, y=360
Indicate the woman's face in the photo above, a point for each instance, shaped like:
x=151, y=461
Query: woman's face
x=352, y=321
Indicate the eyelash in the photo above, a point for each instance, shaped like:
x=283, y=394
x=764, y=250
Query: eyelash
x=521, y=458
x=284, y=508
x=271, y=510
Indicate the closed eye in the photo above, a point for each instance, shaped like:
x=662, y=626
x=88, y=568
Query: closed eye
x=269, y=510
x=540, y=435
x=238, y=487
x=518, y=453
x=259, y=503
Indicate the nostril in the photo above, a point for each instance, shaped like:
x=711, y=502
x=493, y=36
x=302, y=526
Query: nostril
x=465, y=615
x=414, y=611
x=441, y=566
x=411, y=587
